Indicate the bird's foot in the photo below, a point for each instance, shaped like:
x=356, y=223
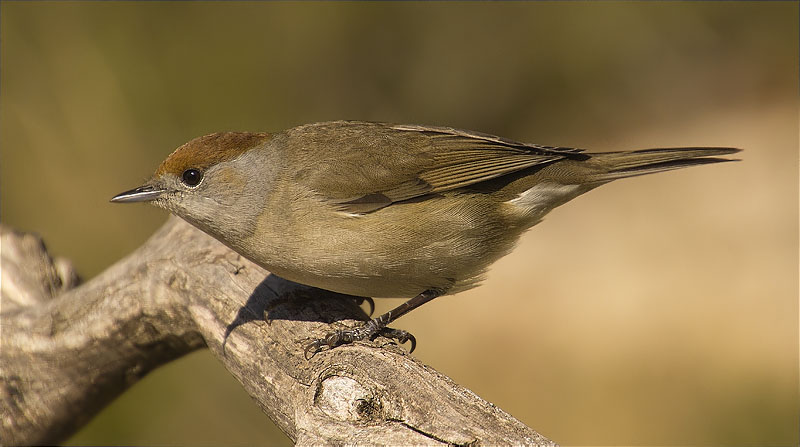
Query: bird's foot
x=365, y=331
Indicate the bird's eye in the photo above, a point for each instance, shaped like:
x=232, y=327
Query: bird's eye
x=191, y=177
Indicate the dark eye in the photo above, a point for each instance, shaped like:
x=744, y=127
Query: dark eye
x=192, y=177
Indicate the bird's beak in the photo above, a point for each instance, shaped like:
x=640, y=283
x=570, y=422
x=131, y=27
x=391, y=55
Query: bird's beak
x=143, y=193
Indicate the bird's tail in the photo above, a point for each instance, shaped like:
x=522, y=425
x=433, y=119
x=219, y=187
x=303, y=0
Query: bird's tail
x=609, y=166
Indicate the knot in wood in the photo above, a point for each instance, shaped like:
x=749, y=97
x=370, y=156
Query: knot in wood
x=345, y=399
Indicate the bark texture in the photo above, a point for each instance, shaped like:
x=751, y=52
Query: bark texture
x=67, y=350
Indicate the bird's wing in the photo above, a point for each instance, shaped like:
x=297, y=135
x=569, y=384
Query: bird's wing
x=362, y=167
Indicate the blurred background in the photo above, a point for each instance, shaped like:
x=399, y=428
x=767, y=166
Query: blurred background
x=655, y=310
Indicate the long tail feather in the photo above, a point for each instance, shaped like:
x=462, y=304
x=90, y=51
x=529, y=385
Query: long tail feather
x=615, y=165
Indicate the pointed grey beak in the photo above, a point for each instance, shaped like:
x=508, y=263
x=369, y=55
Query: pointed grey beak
x=144, y=193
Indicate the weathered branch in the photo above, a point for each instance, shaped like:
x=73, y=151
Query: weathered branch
x=67, y=351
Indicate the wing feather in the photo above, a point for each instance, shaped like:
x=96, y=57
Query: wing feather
x=361, y=167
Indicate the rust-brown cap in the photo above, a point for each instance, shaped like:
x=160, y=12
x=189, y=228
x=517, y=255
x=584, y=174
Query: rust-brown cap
x=206, y=151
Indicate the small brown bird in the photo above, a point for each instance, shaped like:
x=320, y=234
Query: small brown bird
x=382, y=210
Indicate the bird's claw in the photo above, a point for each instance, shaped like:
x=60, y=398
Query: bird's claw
x=401, y=336
x=361, y=299
x=366, y=331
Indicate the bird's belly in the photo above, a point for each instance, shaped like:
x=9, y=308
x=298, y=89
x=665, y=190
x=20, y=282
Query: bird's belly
x=399, y=251
x=383, y=268
x=383, y=286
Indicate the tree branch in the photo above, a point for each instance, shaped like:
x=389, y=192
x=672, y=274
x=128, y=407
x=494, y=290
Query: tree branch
x=67, y=351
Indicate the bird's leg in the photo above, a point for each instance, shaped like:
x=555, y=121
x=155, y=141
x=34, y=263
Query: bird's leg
x=376, y=326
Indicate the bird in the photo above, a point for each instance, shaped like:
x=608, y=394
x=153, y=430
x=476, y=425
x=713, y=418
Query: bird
x=373, y=209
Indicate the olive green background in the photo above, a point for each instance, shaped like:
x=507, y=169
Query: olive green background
x=656, y=310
